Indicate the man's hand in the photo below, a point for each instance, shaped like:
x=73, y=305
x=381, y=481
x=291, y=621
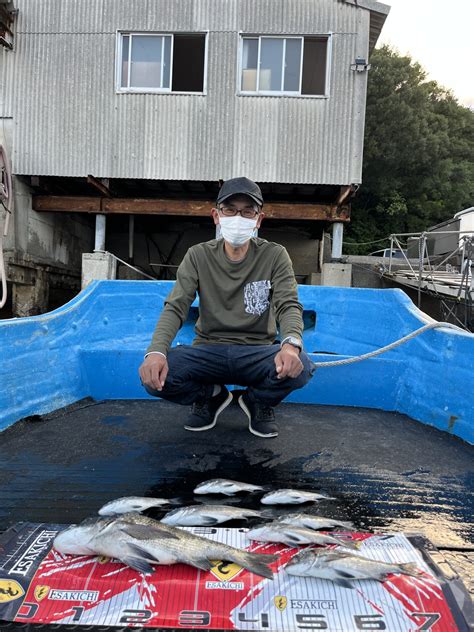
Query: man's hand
x=287, y=362
x=153, y=371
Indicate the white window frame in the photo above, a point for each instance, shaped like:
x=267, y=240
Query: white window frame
x=143, y=90
x=283, y=93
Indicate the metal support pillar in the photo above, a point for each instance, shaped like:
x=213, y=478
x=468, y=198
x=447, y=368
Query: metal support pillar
x=337, y=236
x=99, y=233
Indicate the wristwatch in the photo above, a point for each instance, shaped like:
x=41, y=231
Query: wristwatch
x=293, y=341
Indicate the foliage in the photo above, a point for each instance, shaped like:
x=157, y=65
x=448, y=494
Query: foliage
x=419, y=153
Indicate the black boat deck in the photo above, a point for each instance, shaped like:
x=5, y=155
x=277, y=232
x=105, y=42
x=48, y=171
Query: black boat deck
x=386, y=471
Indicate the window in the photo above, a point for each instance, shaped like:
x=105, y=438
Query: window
x=161, y=63
x=291, y=66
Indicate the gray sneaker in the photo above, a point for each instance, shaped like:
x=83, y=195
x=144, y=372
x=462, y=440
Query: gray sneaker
x=261, y=417
x=204, y=412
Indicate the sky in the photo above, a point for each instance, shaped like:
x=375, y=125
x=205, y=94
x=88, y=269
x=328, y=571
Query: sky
x=439, y=35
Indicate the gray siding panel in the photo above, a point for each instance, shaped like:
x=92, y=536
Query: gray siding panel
x=6, y=96
x=59, y=85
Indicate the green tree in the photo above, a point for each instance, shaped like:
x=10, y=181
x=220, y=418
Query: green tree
x=419, y=153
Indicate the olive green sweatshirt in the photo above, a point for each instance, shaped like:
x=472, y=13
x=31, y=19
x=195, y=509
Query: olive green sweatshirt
x=239, y=302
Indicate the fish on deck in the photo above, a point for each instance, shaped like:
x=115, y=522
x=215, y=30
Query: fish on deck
x=342, y=567
x=225, y=486
x=128, y=504
x=292, y=497
x=295, y=536
x=139, y=542
x=207, y=515
x=314, y=522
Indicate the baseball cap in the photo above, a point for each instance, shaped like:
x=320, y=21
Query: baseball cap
x=240, y=186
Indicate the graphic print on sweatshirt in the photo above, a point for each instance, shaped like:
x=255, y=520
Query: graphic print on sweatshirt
x=257, y=297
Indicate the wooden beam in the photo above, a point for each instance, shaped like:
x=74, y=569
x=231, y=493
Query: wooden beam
x=344, y=194
x=151, y=206
x=66, y=204
x=100, y=185
x=287, y=210
x=193, y=208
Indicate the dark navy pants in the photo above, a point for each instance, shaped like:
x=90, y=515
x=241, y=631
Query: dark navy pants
x=194, y=370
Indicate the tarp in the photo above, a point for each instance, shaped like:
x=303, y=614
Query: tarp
x=39, y=585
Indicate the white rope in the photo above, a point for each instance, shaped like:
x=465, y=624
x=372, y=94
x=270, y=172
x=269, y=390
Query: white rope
x=392, y=345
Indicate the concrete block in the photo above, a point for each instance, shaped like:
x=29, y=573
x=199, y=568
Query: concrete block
x=337, y=274
x=315, y=278
x=97, y=266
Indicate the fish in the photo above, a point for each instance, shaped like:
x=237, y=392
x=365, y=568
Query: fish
x=314, y=522
x=225, y=486
x=139, y=542
x=294, y=536
x=291, y=497
x=342, y=567
x=132, y=503
x=195, y=515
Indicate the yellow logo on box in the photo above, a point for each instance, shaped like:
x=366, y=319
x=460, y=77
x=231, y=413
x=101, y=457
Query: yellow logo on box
x=225, y=571
x=41, y=592
x=280, y=602
x=10, y=590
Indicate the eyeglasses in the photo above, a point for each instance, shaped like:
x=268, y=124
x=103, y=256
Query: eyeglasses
x=248, y=212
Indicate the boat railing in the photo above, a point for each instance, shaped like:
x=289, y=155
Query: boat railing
x=444, y=274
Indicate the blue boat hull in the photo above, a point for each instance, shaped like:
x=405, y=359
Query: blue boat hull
x=93, y=346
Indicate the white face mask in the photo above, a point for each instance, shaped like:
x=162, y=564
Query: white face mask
x=237, y=230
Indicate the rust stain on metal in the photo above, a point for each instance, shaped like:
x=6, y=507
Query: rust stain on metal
x=451, y=422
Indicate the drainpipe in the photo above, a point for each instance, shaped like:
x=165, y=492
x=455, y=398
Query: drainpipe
x=337, y=236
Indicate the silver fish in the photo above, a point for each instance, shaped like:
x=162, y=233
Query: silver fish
x=314, y=522
x=225, y=486
x=291, y=497
x=343, y=567
x=196, y=515
x=131, y=503
x=139, y=541
x=294, y=536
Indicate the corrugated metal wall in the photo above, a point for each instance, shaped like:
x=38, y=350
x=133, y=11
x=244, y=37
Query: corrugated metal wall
x=6, y=95
x=69, y=120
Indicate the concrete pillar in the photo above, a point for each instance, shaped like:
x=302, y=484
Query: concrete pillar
x=337, y=274
x=99, y=232
x=97, y=266
x=337, y=236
